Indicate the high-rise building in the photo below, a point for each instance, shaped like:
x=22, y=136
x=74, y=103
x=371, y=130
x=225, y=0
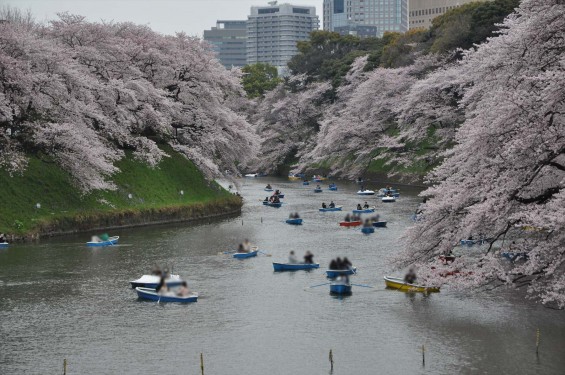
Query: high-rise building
x=422, y=12
x=274, y=30
x=365, y=17
x=228, y=40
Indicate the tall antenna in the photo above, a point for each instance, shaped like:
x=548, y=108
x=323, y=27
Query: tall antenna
x=272, y=3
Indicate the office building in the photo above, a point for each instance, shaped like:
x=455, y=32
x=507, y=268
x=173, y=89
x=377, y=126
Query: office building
x=366, y=17
x=228, y=40
x=422, y=12
x=274, y=30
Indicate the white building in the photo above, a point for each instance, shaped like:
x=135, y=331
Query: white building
x=274, y=30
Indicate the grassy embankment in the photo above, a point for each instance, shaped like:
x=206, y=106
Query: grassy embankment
x=155, y=197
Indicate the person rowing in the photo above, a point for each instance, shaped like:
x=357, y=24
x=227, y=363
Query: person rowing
x=366, y=206
x=309, y=258
x=347, y=218
x=359, y=206
x=332, y=204
x=292, y=258
x=324, y=205
x=268, y=186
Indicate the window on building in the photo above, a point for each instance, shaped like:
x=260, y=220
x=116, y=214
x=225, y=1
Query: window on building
x=268, y=10
x=301, y=10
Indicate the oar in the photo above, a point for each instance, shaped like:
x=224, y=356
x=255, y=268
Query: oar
x=226, y=252
x=264, y=253
x=315, y=286
x=364, y=286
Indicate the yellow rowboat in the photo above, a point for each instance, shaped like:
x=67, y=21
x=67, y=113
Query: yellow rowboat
x=294, y=178
x=396, y=283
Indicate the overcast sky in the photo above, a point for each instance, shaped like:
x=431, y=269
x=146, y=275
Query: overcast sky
x=165, y=16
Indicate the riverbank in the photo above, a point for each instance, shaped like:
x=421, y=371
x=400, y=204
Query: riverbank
x=45, y=202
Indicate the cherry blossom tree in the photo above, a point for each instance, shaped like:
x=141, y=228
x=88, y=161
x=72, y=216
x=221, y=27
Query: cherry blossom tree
x=505, y=177
x=87, y=91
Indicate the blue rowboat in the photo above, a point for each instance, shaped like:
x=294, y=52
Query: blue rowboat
x=245, y=255
x=152, y=295
x=317, y=190
x=281, y=196
x=268, y=189
x=152, y=281
x=332, y=188
x=379, y=224
x=332, y=274
x=340, y=287
x=305, y=183
x=294, y=266
x=368, y=230
x=4, y=245
x=317, y=180
x=294, y=221
x=364, y=211
x=271, y=204
x=388, y=199
x=330, y=209
x=109, y=242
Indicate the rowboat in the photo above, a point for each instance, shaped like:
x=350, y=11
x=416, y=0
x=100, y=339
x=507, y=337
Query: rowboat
x=245, y=255
x=109, y=242
x=294, y=221
x=332, y=274
x=317, y=179
x=305, y=183
x=294, y=266
x=252, y=175
x=368, y=230
x=4, y=245
x=388, y=199
x=393, y=192
x=330, y=209
x=473, y=242
x=349, y=223
x=366, y=192
x=396, y=283
x=152, y=281
x=364, y=211
x=272, y=204
x=294, y=178
x=332, y=188
x=152, y=295
x=379, y=224
x=317, y=190
x=341, y=287
x=267, y=189
x=281, y=196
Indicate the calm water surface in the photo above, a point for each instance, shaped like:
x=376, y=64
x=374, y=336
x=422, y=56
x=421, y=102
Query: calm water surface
x=60, y=299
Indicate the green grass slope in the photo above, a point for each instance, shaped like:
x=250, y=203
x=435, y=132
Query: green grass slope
x=152, y=190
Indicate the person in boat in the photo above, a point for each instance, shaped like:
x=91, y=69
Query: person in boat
x=410, y=276
x=366, y=206
x=333, y=265
x=183, y=290
x=318, y=187
x=332, y=204
x=292, y=258
x=268, y=186
x=347, y=264
x=356, y=218
x=2, y=237
x=296, y=215
x=246, y=245
x=324, y=205
x=276, y=199
x=277, y=192
x=338, y=263
x=266, y=199
x=359, y=206
x=162, y=287
x=347, y=218
x=367, y=224
x=308, y=258
x=362, y=188
x=241, y=248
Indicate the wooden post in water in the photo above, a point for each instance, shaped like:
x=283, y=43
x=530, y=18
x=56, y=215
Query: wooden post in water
x=202, y=363
x=261, y=219
x=65, y=366
x=537, y=341
x=242, y=222
x=423, y=355
x=331, y=360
